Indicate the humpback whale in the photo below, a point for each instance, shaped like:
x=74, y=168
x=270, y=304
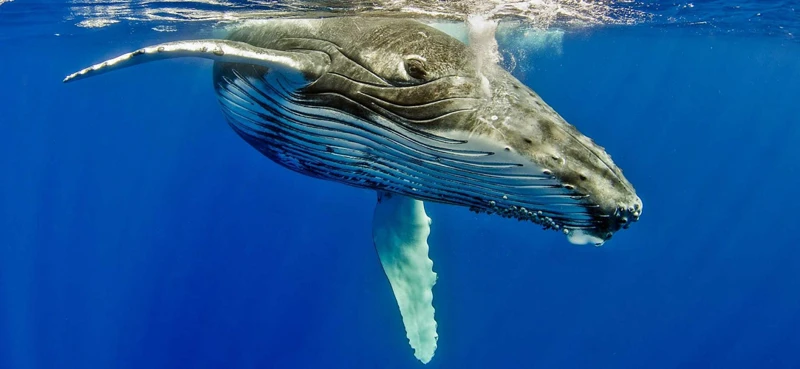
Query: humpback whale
x=401, y=108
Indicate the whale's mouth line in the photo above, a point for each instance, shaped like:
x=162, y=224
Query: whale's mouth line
x=569, y=216
x=429, y=104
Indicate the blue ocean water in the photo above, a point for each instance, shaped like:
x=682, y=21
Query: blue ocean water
x=138, y=231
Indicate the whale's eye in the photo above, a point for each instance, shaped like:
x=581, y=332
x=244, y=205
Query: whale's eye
x=416, y=68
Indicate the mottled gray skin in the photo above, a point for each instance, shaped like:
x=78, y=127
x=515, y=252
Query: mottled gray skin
x=378, y=53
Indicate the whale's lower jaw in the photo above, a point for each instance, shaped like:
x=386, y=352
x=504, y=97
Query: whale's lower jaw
x=602, y=226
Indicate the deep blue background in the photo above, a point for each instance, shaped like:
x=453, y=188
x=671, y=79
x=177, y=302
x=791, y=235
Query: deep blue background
x=138, y=231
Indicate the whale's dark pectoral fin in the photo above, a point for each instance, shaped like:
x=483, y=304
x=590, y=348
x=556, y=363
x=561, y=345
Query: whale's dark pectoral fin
x=400, y=231
x=305, y=65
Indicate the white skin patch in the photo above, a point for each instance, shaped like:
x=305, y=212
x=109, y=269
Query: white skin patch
x=579, y=237
x=488, y=123
x=486, y=87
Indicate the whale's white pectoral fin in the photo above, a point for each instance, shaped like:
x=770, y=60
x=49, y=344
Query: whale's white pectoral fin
x=400, y=230
x=304, y=65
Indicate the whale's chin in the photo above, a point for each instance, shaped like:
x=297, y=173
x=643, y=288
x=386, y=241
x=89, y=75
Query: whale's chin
x=581, y=237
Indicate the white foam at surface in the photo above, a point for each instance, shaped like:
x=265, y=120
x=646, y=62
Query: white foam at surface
x=538, y=13
x=400, y=230
x=482, y=39
x=517, y=36
x=96, y=23
x=517, y=40
x=165, y=29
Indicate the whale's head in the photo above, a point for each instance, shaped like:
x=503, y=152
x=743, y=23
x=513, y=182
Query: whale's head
x=591, y=198
x=419, y=113
x=595, y=199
